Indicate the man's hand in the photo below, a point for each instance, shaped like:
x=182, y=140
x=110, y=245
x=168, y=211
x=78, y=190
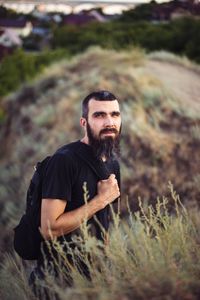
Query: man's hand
x=108, y=190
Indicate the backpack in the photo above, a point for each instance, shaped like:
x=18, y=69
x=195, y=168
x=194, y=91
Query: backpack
x=27, y=237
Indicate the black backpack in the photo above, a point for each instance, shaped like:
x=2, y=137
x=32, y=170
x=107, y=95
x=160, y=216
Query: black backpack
x=27, y=237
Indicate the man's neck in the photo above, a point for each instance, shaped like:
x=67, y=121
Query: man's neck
x=85, y=140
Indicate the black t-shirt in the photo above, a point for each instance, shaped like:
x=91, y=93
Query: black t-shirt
x=66, y=175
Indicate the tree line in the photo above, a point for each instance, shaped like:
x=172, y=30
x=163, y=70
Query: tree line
x=181, y=37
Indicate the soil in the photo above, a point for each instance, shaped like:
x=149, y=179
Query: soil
x=180, y=81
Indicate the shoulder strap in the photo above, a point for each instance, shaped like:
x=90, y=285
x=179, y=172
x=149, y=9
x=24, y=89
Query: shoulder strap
x=85, y=153
x=87, y=156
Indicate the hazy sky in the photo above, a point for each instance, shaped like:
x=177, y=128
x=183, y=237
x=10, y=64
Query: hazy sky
x=120, y=1
x=84, y=1
x=114, y=6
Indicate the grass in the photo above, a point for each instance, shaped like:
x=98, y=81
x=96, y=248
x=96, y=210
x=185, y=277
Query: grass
x=175, y=59
x=152, y=254
x=195, y=131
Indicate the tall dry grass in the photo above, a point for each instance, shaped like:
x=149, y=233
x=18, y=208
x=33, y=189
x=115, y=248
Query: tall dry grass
x=152, y=254
x=175, y=59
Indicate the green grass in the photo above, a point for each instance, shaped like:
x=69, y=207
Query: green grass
x=152, y=254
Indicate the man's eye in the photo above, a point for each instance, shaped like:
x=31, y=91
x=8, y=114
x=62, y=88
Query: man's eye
x=99, y=115
x=115, y=114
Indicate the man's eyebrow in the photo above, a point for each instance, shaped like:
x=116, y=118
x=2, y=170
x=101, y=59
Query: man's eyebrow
x=117, y=112
x=99, y=112
x=104, y=112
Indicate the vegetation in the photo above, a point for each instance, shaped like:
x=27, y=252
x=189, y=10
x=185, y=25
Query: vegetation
x=21, y=67
x=180, y=37
x=142, y=12
x=153, y=251
x=151, y=254
x=7, y=13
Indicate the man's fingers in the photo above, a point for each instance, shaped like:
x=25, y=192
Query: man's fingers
x=112, y=176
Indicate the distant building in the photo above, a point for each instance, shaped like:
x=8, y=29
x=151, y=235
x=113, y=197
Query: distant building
x=8, y=38
x=40, y=14
x=83, y=18
x=98, y=16
x=180, y=13
x=175, y=10
x=78, y=19
x=21, y=27
x=9, y=41
x=40, y=31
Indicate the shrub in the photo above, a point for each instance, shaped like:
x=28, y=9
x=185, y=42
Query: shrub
x=20, y=67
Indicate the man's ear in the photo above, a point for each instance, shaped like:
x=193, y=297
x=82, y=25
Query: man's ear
x=83, y=122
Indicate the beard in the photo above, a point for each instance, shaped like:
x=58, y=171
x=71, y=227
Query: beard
x=108, y=146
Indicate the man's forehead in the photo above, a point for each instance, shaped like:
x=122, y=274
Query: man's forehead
x=107, y=106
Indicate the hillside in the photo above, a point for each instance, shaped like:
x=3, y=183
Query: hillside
x=182, y=82
x=160, y=139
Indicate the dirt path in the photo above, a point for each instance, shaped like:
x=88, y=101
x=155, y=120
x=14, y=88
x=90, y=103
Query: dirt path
x=181, y=82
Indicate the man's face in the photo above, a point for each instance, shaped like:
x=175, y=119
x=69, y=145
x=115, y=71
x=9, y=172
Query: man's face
x=104, y=119
x=103, y=127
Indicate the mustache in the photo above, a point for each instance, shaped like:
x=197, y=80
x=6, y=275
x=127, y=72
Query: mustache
x=105, y=130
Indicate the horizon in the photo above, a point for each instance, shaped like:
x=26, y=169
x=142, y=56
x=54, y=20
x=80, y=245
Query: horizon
x=68, y=6
x=85, y=1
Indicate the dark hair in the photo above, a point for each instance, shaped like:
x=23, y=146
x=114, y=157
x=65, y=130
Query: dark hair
x=100, y=96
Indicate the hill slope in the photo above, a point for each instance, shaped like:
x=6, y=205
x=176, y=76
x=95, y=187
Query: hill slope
x=181, y=81
x=160, y=140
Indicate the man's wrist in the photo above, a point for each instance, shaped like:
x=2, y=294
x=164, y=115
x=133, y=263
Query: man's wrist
x=96, y=203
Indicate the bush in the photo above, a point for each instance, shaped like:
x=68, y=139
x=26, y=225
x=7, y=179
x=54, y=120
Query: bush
x=20, y=67
x=181, y=36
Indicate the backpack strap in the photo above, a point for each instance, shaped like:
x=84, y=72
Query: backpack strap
x=87, y=156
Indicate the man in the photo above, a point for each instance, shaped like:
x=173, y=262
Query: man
x=63, y=207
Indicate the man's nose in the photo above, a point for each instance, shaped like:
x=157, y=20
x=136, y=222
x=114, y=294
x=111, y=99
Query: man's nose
x=109, y=121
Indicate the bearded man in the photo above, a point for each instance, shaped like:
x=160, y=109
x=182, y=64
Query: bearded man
x=64, y=208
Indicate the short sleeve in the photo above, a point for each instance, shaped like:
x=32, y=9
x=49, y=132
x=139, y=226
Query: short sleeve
x=58, y=179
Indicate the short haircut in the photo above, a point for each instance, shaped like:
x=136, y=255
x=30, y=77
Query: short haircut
x=99, y=96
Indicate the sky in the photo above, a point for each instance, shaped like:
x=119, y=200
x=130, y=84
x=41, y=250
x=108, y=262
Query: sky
x=114, y=6
x=84, y=1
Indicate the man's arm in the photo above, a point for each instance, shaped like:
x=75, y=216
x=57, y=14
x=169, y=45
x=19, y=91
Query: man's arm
x=56, y=222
